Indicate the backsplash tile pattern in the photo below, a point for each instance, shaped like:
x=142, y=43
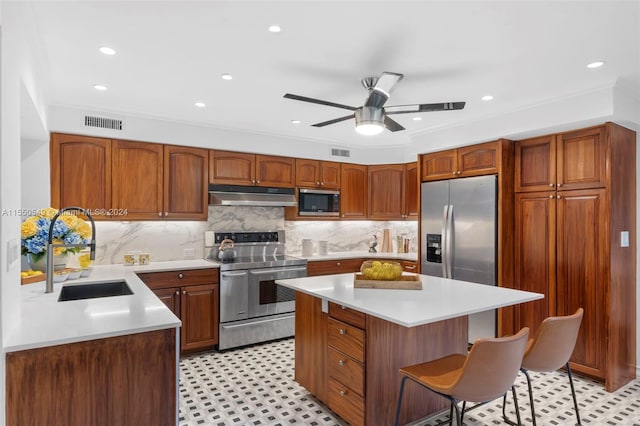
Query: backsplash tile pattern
x=167, y=240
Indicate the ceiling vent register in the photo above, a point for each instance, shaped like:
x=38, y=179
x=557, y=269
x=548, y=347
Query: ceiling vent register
x=340, y=152
x=103, y=123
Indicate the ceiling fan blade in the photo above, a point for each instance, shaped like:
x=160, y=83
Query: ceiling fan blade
x=379, y=94
x=318, y=101
x=406, y=109
x=335, y=120
x=392, y=125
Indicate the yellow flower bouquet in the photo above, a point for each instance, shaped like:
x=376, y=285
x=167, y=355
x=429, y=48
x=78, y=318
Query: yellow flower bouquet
x=68, y=229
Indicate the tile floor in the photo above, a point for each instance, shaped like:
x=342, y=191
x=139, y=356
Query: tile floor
x=255, y=386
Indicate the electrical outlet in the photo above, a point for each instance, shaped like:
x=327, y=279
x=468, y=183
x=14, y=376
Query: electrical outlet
x=189, y=253
x=624, y=239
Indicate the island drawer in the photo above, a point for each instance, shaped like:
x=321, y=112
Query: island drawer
x=346, y=403
x=155, y=280
x=346, y=370
x=346, y=338
x=348, y=315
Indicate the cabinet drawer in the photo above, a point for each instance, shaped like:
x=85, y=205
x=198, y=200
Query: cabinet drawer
x=156, y=280
x=346, y=339
x=346, y=403
x=348, y=315
x=346, y=370
x=328, y=267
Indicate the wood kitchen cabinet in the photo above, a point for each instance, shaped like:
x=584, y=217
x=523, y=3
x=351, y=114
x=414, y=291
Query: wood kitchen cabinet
x=568, y=242
x=194, y=296
x=128, y=180
x=237, y=168
x=353, y=191
x=393, y=191
x=329, y=267
x=185, y=183
x=121, y=380
x=473, y=160
x=81, y=172
x=317, y=174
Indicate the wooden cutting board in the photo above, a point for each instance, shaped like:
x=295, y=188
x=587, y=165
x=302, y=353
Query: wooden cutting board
x=404, y=282
x=33, y=279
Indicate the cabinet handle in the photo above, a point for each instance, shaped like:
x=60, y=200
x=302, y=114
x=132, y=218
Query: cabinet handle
x=253, y=181
x=341, y=362
x=318, y=183
x=177, y=292
x=343, y=307
x=559, y=185
x=321, y=183
x=166, y=214
x=343, y=331
x=551, y=185
x=343, y=393
x=184, y=292
x=257, y=181
x=160, y=214
x=551, y=196
x=181, y=275
x=459, y=172
x=454, y=172
x=337, y=263
x=558, y=197
x=409, y=267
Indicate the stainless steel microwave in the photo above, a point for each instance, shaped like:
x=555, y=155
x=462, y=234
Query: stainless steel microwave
x=318, y=202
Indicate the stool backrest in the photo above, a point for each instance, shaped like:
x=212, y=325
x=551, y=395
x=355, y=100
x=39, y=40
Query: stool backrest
x=554, y=343
x=490, y=368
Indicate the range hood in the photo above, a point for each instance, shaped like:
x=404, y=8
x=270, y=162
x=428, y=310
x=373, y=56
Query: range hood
x=238, y=195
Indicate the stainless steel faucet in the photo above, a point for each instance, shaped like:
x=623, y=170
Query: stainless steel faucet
x=51, y=246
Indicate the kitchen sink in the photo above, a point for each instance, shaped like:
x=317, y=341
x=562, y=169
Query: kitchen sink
x=94, y=290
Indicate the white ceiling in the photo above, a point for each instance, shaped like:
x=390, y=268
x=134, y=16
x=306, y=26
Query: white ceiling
x=171, y=54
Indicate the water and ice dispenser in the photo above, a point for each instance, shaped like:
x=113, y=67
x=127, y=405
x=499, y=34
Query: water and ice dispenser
x=434, y=248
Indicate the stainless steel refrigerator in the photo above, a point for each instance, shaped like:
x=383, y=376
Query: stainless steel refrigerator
x=459, y=237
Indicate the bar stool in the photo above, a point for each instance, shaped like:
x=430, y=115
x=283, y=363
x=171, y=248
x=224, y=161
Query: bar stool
x=549, y=351
x=484, y=374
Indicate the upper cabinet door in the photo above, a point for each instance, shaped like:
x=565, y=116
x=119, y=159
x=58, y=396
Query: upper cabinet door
x=81, y=172
x=439, y=165
x=411, y=190
x=581, y=159
x=386, y=191
x=137, y=180
x=234, y=168
x=185, y=183
x=535, y=168
x=275, y=171
x=481, y=159
x=307, y=172
x=330, y=174
x=353, y=191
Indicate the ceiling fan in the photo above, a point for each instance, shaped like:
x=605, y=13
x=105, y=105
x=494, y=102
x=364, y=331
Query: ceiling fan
x=373, y=117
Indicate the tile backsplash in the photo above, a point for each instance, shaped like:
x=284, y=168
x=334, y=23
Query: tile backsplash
x=177, y=240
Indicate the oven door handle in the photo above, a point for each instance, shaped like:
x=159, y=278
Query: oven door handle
x=234, y=274
x=272, y=271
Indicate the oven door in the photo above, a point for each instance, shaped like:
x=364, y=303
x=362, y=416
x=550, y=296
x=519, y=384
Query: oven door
x=234, y=288
x=268, y=298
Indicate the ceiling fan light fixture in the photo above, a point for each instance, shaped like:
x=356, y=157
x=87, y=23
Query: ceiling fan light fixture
x=369, y=121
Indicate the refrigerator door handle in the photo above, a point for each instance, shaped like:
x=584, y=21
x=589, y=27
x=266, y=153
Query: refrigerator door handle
x=444, y=240
x=449, y=241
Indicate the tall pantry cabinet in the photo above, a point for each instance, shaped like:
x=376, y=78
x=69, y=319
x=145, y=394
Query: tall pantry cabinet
x=575, y=203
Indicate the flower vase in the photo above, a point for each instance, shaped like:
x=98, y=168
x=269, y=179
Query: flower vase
x=59, y=262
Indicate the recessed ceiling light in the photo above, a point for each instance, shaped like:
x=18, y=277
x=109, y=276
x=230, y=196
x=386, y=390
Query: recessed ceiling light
x=227, y=76
x=596, y=64
x=275, y=29
x=417, y=118
x=200, y=104
x=107, y=50
x=487, y=98
x=99, y=87
x=295, y=121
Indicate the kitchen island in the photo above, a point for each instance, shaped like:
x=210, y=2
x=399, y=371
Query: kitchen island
x=351, y=342
x=100, y=361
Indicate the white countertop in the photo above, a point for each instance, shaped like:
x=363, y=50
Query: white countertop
x=358, y=255
x=439, y=299
x=46, y=322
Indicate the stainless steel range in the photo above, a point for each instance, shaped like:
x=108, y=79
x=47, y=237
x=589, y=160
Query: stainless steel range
x=253, y=308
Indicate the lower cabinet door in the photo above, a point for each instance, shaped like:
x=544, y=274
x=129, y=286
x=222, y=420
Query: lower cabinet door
x=170, y=297
x=199, y=306
x=346, y=403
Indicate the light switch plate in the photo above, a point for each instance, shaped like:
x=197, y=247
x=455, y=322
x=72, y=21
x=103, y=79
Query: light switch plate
x=209, y=240
x=624, y=239
x=13, y=253
x=189, y=253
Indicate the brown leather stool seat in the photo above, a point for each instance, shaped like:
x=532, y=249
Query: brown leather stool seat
x=484, y=374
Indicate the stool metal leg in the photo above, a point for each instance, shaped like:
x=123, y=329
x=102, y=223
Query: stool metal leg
x=533, y=409
x=397, y=422
x=573, y=393
x=515, y=402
